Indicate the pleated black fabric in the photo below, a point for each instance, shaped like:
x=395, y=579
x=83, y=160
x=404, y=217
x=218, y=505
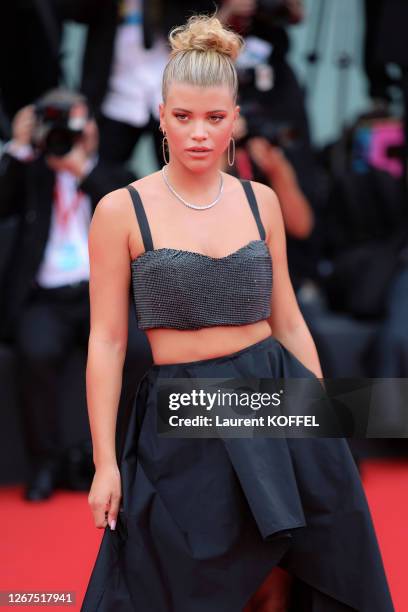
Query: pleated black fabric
x=203, y=521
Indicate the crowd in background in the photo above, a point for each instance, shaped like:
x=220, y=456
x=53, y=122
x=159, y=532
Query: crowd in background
x=344, y=207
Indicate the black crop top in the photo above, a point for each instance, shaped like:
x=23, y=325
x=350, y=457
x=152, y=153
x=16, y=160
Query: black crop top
x=188, y=290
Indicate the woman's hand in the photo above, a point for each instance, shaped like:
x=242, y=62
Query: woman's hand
x=105, y=495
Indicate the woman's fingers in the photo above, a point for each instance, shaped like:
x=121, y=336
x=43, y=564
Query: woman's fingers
x=100, y=513
x=104, y=496
x=113, y=511
x=106, y=513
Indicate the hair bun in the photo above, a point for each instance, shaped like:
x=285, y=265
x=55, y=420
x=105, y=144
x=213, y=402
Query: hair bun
x=205, y=33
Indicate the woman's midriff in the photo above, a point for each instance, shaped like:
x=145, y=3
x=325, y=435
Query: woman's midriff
x=181, y=346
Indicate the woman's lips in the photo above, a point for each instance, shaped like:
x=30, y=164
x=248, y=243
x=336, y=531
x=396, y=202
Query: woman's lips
x=198, y=153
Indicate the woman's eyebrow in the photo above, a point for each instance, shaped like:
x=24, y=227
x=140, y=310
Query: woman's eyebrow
x=184, y=110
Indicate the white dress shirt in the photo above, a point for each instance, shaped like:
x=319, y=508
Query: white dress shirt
x=134, y=89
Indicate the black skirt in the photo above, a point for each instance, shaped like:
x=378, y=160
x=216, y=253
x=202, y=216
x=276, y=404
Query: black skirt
x=203, y=521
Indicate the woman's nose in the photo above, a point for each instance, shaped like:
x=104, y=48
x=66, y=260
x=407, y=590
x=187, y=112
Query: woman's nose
x=199, y=131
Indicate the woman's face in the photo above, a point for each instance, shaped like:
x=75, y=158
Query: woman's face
x=196, y=118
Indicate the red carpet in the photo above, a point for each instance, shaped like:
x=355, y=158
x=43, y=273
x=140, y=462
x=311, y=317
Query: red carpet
x=47, y=546
x=51, y=546
x=386, y=487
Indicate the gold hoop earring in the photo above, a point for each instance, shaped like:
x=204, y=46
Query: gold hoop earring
x=231, y=162
x=166, y=160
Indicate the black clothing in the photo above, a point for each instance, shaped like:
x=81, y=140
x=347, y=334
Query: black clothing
x=388, y=44
x=204, y=520
x=391, y=31
x=117, y=139
x=387, y=355
x=169, y=283
x=378, y=78
x=26, y=192
x=30, y=35
x=45, y=323
x=52, y=322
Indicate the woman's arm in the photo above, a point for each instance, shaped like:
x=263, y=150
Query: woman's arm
x=109, y=304
x=286, y=320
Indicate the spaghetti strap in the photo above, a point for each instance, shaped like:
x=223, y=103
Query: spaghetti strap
x=141, y=217
x=254, y=206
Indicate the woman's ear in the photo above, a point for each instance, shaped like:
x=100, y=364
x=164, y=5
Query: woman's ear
x=161, y=113
x=236, y=120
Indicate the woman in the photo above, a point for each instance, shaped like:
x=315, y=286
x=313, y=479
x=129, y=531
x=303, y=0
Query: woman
x=197, y=525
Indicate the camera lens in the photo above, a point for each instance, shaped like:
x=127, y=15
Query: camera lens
x=60, y=141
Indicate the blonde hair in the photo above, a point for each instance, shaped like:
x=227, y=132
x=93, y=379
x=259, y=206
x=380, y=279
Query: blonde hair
x=203, y=54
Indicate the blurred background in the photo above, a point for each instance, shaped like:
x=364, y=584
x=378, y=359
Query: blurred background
x=324, y=101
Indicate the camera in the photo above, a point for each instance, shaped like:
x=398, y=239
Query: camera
x=60, y=120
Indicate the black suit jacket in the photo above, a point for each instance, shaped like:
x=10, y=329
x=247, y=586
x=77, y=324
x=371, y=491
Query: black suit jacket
x=26, y=193
x=30, y=39
x=391, y=35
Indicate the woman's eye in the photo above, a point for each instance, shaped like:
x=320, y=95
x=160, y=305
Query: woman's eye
x=213, y=118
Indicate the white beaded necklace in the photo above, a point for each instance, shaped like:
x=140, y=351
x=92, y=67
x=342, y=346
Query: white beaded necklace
x=194, y=206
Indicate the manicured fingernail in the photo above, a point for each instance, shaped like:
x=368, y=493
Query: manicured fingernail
x=112, y=524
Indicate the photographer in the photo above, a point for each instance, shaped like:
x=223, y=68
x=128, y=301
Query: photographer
x=50, y=182
x=260, y=155
x=263, y=159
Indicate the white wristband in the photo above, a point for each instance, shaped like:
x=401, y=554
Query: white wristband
x=22, y=152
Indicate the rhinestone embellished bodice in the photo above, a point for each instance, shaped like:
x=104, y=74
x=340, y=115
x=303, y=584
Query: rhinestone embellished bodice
x=187, y=290
x=181, y=289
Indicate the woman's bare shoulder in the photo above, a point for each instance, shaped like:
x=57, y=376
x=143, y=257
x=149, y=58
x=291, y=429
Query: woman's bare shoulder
x=265, y=195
